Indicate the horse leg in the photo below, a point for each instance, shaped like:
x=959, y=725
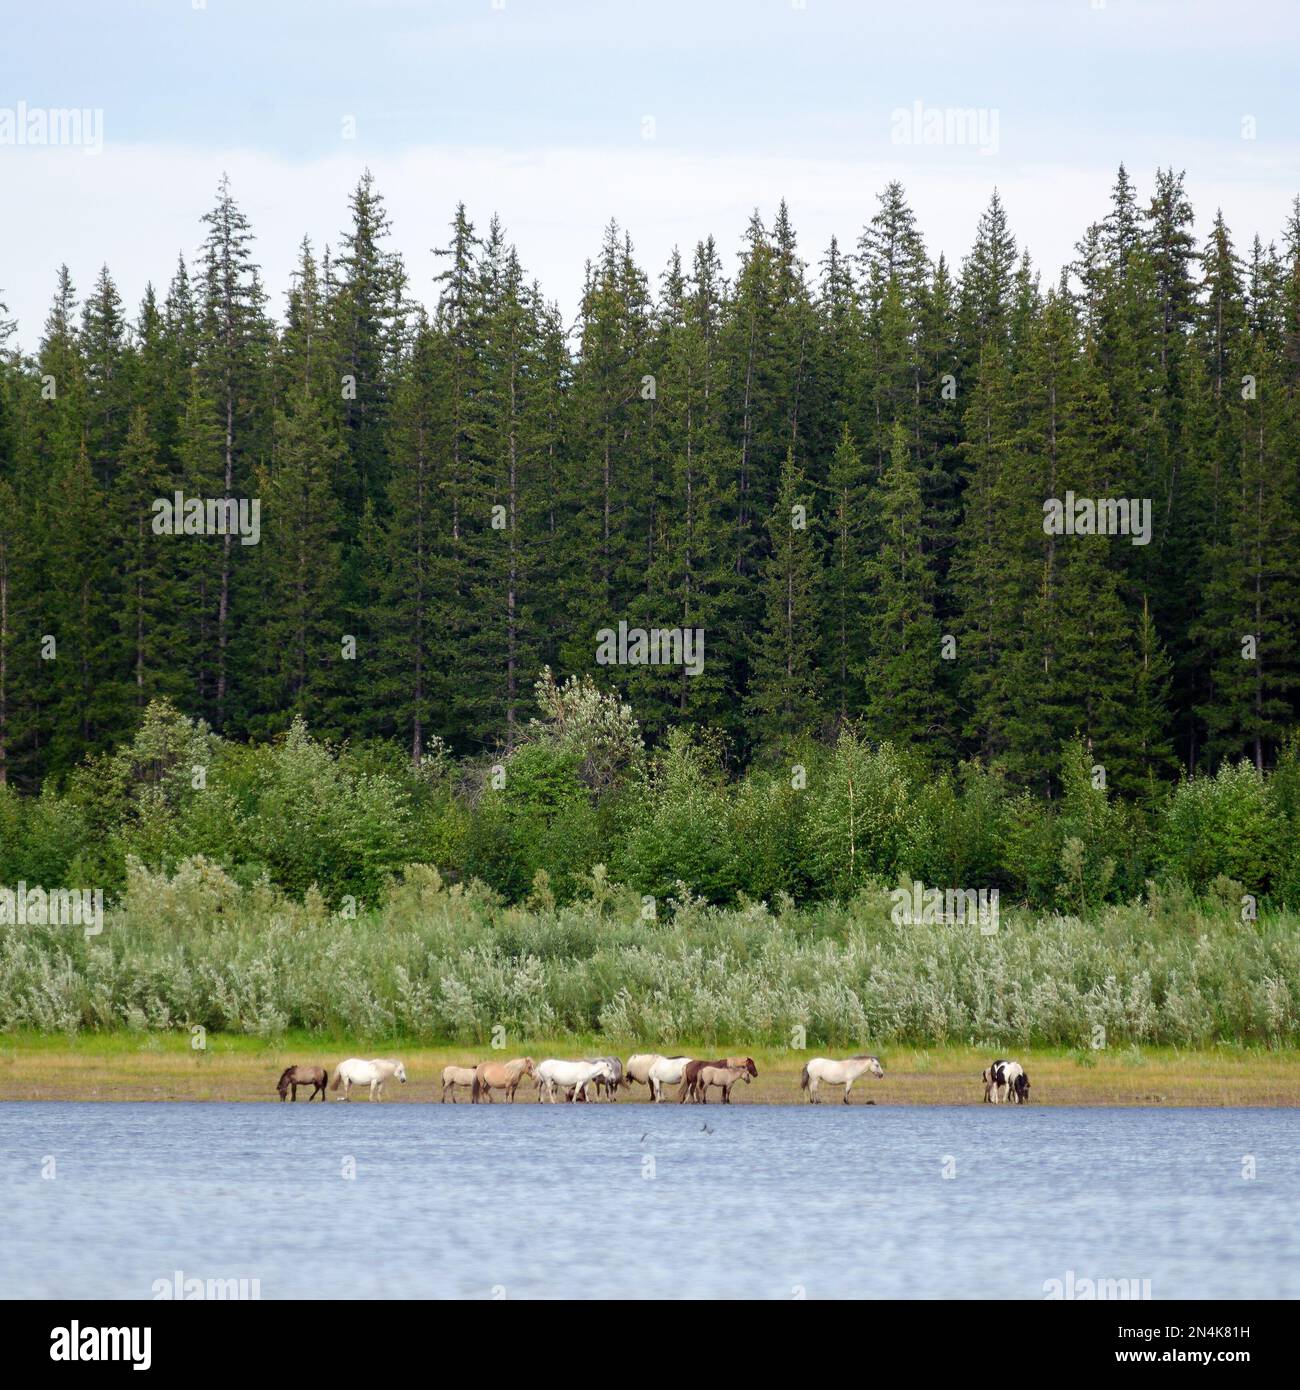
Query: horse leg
x=848, y=1086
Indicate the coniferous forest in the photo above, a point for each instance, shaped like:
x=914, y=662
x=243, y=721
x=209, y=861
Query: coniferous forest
x=831, y=461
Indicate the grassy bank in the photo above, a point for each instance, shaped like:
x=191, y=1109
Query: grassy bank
x=111, y=1067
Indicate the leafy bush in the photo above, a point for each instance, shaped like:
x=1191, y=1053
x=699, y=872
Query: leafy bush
x=674, y=825
x=435, y=962
x=1226, y=824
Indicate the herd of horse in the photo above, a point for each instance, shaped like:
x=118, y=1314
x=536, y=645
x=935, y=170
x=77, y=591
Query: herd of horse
x=576, y=1081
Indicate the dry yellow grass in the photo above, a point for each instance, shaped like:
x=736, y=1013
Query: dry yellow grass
x=166, y=1067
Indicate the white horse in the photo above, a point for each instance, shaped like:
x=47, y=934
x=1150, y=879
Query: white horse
x=355, y=1072
x=577, y=1076
x=838, y=1074
x=665, y=1071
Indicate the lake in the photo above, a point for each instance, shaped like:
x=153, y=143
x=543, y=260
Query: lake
x=634, y=1200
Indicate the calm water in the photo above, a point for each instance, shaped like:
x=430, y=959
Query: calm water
x=537, y=1200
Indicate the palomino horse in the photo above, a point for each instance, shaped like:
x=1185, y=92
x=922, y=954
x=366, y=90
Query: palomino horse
x=500, y=1076
x=691, y=1075
x=456, y=1076
x=293, y=1077
x=665, y=1071
x=838, y=1073
x=571, y=1077
x=722, y=1077
x=355, y=1072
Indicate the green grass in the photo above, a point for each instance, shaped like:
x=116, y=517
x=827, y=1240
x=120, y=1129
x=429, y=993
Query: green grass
x=121, y=1066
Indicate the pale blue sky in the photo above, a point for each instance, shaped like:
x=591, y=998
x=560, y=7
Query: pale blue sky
x=538, y=110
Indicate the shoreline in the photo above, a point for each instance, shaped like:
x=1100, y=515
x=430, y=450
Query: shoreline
x=164, y=1067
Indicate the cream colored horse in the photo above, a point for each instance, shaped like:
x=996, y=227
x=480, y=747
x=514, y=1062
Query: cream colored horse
x=571, y=1077
x=500, y=1076
x=665, y=1071
x=638, y=1067
x=355, y=1072
x=835, y=1073
x=456, y=1076
x=722, y=1077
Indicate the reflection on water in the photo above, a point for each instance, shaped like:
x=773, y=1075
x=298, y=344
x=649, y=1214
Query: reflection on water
x=632, y=1200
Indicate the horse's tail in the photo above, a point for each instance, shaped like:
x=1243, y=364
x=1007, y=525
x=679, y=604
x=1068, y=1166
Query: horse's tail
x=803, y=1080
x=474, y=1087
x=324, y=1077
x=334, y=1085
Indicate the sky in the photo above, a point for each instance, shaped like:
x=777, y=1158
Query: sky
x=677, y=118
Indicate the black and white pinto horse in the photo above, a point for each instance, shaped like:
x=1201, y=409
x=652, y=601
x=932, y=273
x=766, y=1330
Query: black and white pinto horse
x=1006, y=1081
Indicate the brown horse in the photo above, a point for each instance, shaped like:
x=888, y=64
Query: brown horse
x=722, y=1077
x=499, y=1076
x=303, y=1076
x=691, y=1076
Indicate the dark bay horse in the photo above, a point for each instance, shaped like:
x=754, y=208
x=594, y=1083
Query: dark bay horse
x=303, y=1076
x=691, y=1088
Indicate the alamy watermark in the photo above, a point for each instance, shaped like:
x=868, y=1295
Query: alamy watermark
x=1099, y=516
x=58, y=907
x=192, y=1289
x=1073, y=1288
x=918, y=905
x=43, y=126
x=77, y=1343
x=920, y=124
x=179, y=515
x=656, y=646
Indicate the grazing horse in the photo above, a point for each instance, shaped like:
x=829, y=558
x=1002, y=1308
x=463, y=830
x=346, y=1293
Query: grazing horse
x=293, y=1077
x=453, y=1077
x=355, y=1072
x=838, y=1073
x=665, y=1071
x=571, y=1077
x=638, y=1068
x=691, y=1075
x=500, y=1076
x=606, y=1085
x=724, y=1078
x=1006, y=1081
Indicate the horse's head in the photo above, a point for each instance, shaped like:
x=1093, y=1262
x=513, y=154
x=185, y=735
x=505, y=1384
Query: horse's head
x=874, y=1067
x=530, y=1068
x=750, y=1068
x=400, y=1073
x=1022, y=1087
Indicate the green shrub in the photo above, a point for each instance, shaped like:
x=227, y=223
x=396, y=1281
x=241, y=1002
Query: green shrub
x=1226, y=824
